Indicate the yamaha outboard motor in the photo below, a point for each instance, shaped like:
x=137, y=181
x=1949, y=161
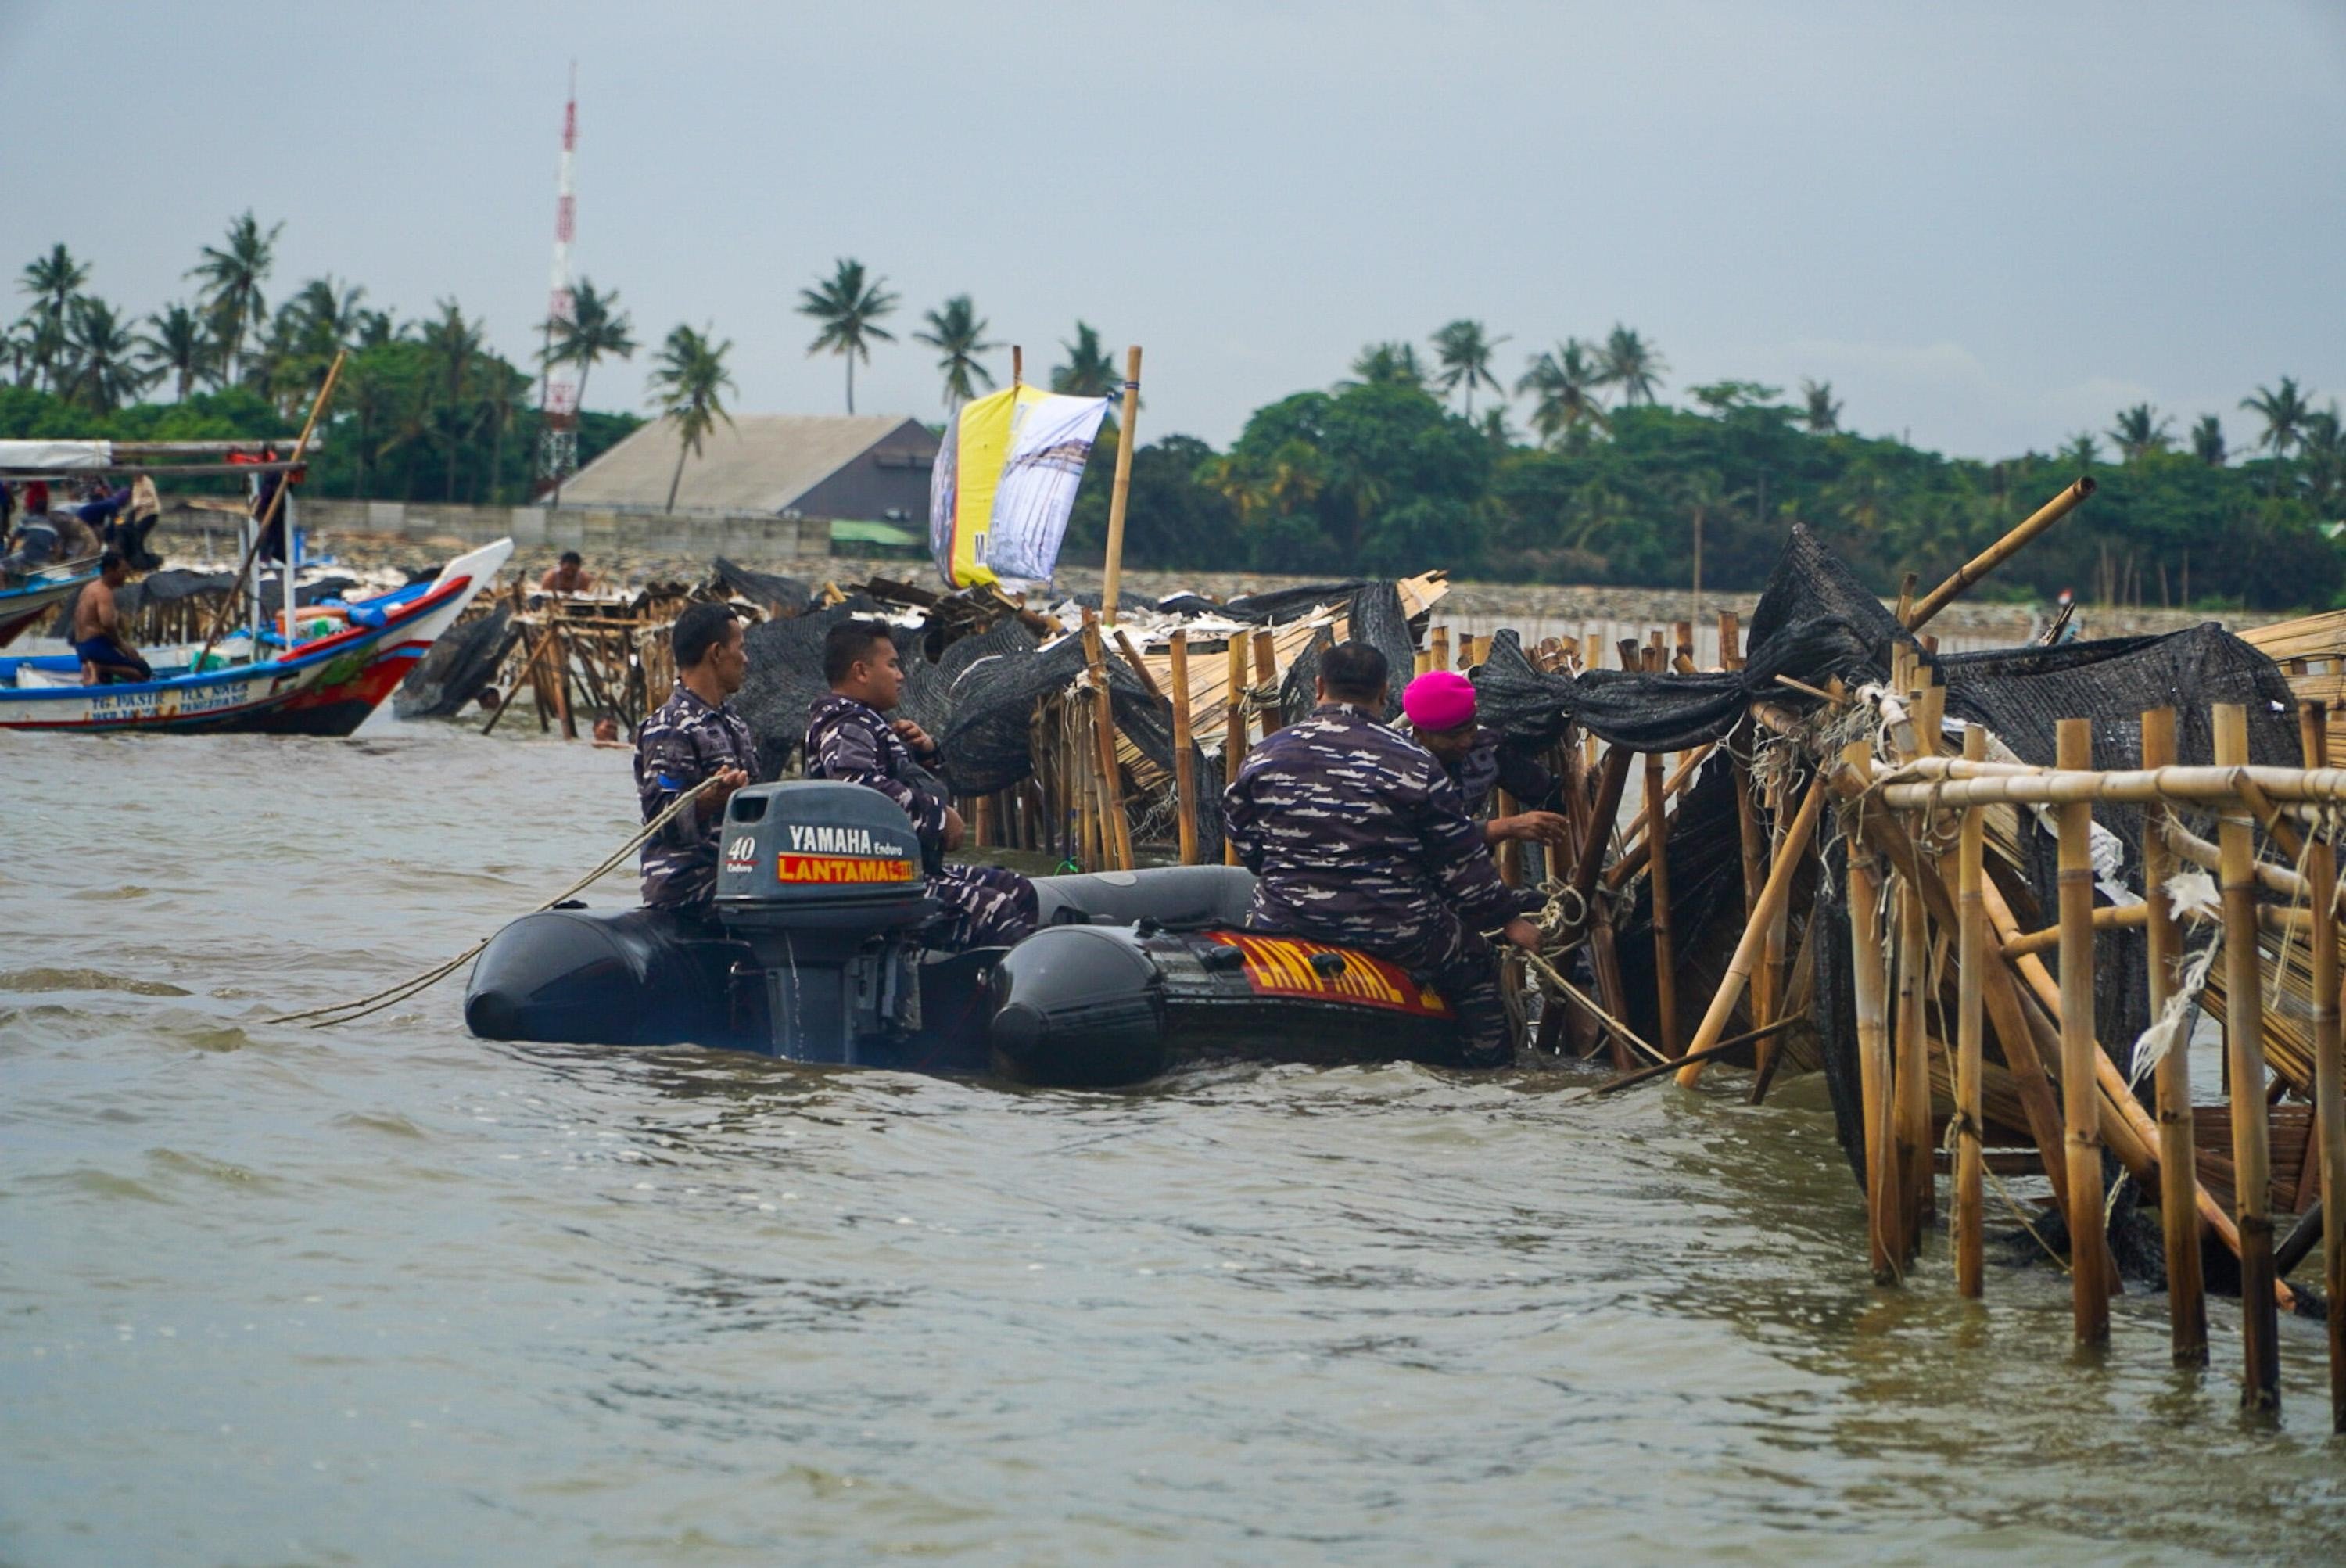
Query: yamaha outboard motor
x=814, y=952
x=823, y=883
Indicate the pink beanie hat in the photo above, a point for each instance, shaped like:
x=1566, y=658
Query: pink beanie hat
x=1439, y=700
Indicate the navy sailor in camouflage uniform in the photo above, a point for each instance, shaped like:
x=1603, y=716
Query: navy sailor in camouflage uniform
x=695, y=734
x=1441, y=708
x=850, y=738
x=1356, y=836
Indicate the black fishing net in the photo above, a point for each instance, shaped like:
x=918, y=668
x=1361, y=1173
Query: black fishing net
x=775, y=594
x=1376, y=618
x=455, y=669
x=1298, y=691
x=934, y=692
x=1273, y=609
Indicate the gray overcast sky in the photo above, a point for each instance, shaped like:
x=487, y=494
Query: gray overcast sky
x=1989, y=224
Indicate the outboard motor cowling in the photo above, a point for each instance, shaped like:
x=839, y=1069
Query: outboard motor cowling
x=823, y=881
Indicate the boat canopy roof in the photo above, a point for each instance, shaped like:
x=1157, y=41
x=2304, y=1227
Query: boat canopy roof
x=63, y=456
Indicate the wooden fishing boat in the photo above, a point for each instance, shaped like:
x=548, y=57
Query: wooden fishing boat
x=325, y=685
x=26, y=603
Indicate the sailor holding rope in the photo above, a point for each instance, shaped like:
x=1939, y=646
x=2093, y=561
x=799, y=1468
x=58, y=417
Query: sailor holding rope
x=695, y=735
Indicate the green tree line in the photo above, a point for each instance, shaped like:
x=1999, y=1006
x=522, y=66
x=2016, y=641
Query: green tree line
x=426, y=409
x=1390, y=469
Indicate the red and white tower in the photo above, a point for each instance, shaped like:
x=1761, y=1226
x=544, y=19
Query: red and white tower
x=557, y=449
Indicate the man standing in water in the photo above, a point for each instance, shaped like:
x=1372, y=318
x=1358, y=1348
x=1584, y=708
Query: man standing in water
x=1441, y=708
x=850, y=737
x=695, y=734
x=1356, y=836
x=568, y=576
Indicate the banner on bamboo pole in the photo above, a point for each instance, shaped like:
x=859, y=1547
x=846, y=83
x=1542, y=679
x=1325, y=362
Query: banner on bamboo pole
x=1005, y=482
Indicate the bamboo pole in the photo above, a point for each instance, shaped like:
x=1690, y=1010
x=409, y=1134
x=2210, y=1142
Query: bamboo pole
x=1234, y=741
x=1754, y=844
x=2329, y=1130
x=1971, y=958
x=1124, y=645
x=2080, y=1097
x=2187, y=1301
x=1126, y=422
x=1769, y=978
x=1995, y=554
x=1116, y=828
x=1184, y=765
x=2132, y=1136
x=1911, y=1075
x=1934, y=781
x=1265, y=674
x=2245, y=1049
x=2005, y=1010
x=261, y=525
x=1657, y=879
x=1774, y=896
x=560, y=681
x=1867, y=962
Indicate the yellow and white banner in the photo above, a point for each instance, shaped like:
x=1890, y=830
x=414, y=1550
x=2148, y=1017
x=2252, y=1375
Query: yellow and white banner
x=1005, y=482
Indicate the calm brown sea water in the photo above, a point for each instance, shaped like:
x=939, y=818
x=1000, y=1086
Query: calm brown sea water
x=392, y=1294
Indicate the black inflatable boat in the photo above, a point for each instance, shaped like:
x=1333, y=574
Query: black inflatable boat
x=814, y=954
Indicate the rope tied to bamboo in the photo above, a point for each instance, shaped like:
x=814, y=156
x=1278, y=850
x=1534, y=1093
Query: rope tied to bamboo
x=348, y=1012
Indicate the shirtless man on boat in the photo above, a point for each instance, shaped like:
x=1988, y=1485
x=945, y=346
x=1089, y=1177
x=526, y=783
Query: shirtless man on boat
x=97, y=639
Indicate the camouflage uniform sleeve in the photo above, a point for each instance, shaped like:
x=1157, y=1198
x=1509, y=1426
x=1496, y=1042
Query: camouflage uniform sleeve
x=850, y=752
x=1239, y=819
x=1458, y=859
x=668, y=763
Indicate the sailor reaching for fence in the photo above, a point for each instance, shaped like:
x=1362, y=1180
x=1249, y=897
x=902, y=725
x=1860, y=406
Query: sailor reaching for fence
x=1441, y=708
x=850, y=739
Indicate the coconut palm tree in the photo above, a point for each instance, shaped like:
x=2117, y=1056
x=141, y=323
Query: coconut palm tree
x=1821, y=413
x=2139, y=432
x=2208, y=441
x=958, y=332
x=452, y=347
x=687, y=386
x=101, y=370
x=54, y=281
x=2323, y=448
x=17, y=348
x=597, y=330
x=1632, y=364
x=2284, y=409
x=1463, y=349
x=2082, y=453
x=232, y=277
x=178, y=344
x=376, y=327
x=1089, y=371
x=1387, y=365
x=1562, y=387
x=848, y=308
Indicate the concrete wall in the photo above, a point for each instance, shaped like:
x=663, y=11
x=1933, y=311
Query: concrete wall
x=592, y=531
